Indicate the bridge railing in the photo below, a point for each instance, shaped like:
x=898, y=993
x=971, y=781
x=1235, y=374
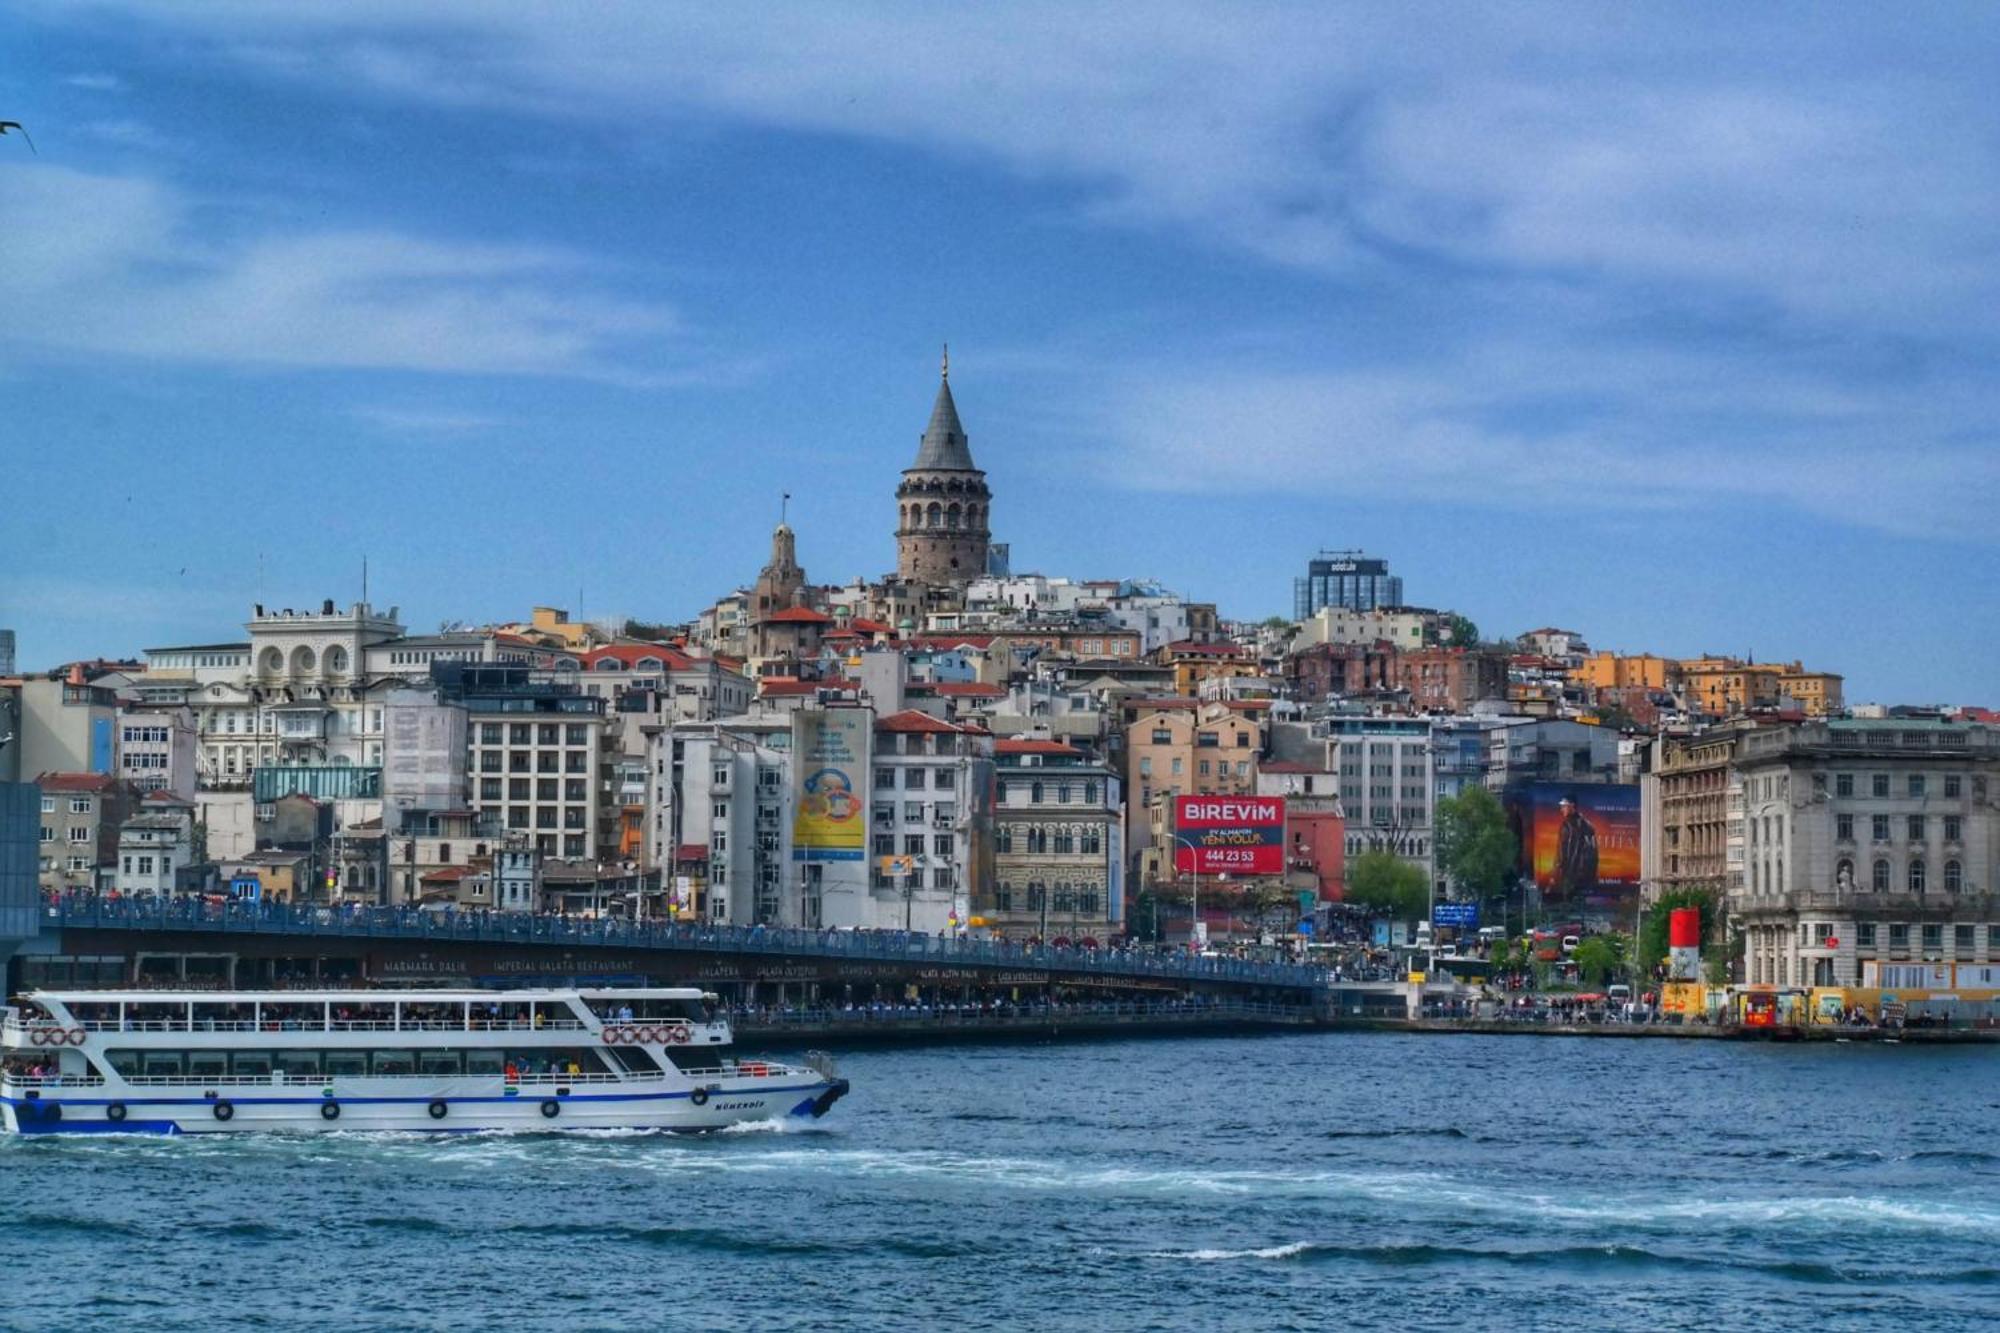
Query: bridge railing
x=95, y=911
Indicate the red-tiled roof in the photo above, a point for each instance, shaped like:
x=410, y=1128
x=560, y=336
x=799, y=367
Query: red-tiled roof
x=74, y=781
x=629, y=655
x=1030, y=745
x=866, y=626
x=798, y=615
x=691, y=851
x=971, y=689
x=1191, y=648
x=446, y=874
x=911, y=720
x=840, y=635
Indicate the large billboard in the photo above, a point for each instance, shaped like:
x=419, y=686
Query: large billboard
x=1579, y=841
x=830, y=757
x=1229, y=835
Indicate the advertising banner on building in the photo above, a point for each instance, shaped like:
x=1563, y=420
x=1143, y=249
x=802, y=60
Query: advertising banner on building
x=830, y=757
x=1579, y=842
x=1229, y=835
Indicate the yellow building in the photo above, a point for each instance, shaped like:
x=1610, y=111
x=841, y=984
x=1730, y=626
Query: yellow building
x=1724, y=687
x=1194, y=663
x=552, y=625
x=1643, y=671
x=1818, y=692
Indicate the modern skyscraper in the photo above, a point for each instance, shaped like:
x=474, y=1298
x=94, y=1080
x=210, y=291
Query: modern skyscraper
x=1346, y=579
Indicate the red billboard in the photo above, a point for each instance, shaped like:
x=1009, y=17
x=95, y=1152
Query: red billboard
x=1229, y=835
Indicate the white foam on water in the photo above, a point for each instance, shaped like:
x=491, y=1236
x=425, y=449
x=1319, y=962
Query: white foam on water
x=1291, y=1251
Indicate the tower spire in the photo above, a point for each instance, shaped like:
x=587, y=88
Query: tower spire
x=944, y=369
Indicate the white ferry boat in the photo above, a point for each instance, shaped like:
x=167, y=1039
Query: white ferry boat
x=200, y=1062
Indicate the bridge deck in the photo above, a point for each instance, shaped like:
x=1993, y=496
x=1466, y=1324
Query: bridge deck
x=520, y=928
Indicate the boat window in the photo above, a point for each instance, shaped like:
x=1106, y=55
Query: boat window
x=393, y=1062
x=352, y=1063
x=440, y=1062
x=484, y=1062
x=636, y=1059
x=125, y=1062
x=208, y=1064
x=298, y=1064
x=162, y=1064
x=693, y=1057
x=250, y=1064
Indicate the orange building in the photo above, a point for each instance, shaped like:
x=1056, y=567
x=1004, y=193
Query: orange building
x=1643, y=671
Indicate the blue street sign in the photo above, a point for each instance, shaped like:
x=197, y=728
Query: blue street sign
x=1306, y=926
x=1458, y=915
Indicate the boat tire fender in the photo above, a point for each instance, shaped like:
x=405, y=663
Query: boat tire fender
x=699, y=1097
x=224, y=1111
x=551, y=1109
x=438, y=1110
x=115, y=1112
x=329, y=1110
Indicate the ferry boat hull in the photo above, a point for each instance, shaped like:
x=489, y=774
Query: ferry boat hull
x=332, y=1062
x=101, y=1110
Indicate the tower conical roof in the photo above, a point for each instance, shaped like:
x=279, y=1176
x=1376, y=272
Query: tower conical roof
x=944, y=446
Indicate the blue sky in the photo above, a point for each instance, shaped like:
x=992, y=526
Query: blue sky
x=1677, y=327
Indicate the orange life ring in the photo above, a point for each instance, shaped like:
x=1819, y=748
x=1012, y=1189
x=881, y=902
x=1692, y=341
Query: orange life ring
x=612, y=1036
x=678, y=1034
x=40, y=1036
x=77, y=1036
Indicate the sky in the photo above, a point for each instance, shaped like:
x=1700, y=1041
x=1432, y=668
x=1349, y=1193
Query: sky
x=1676, y=326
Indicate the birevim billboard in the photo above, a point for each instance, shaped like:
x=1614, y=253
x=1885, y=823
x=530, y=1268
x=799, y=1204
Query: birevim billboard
x=1579, y=844
x=830, y=757
x=1229, y=835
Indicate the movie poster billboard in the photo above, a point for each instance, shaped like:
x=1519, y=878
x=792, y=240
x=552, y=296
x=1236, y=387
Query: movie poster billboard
x=1579, y=842
x=830, y=758
x=1229, y=835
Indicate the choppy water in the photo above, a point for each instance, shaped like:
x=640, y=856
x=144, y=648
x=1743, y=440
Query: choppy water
x=1294, y=1182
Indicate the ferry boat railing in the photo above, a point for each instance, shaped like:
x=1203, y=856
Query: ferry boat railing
x=165, y=913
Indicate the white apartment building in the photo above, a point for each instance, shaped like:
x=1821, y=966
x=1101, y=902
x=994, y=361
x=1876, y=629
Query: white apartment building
x=152, y=846
x=159, y=749
x=298, y=693
x=1387, y=779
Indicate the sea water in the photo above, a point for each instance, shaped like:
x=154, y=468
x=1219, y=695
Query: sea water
x=1267, y=1182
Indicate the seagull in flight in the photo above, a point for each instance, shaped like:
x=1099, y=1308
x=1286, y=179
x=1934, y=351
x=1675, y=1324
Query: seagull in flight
x=6, y=125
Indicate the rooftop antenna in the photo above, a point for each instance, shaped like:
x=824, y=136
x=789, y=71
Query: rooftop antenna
x=364, y=580
x=944, y=368
x=784, y=507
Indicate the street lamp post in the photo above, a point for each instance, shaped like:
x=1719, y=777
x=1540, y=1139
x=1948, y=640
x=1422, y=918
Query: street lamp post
x=1194, y=898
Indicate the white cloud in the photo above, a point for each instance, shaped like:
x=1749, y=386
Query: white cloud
x=424, y=421
x=127, y=265
x=1809, y=165
x=96, y=82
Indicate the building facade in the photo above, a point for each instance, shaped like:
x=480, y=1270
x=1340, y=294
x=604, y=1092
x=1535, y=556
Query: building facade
x=1346, y=579
x=1056, y=855
x=1867, y=841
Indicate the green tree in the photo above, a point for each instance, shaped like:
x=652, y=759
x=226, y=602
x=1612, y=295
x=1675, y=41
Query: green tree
x=1653, y=932
x=1460, y=631
x=1387, y=885
x=1598, y=957
x=1474, y=845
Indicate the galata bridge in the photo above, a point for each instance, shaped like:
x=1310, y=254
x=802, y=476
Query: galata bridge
x=847, y=978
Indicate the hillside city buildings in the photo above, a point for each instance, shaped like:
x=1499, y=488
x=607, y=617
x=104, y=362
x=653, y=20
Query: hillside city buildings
x=959, y=746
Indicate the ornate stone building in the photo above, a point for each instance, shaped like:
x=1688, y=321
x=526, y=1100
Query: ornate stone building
x=942, y=505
